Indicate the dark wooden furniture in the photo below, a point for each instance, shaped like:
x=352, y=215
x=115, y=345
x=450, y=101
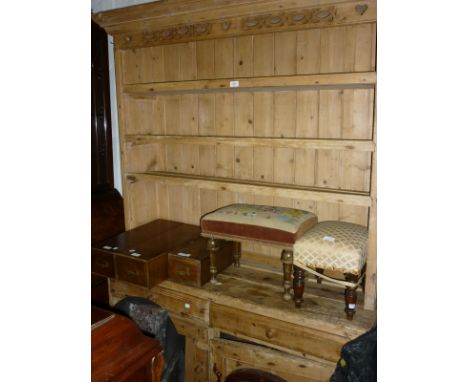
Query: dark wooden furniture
x=195, y=269
x=107, y=216
x=102, y=175
x=139, y=255
x=120, y=352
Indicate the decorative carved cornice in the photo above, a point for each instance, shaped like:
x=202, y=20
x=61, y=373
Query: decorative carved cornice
x=340, y=14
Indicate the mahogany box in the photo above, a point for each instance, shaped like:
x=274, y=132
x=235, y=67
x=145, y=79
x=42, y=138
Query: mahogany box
x=190, y=264
x=139, y=255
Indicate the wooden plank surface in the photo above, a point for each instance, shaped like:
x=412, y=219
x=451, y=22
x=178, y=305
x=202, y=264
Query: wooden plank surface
x=300, y=143
x=230, y=355
x=262, y=188
x=259, y=292
x=364, y=79
x=298, y=131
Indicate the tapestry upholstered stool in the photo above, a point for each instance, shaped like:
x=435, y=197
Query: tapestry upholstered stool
x=277, y=226
x=333, y=246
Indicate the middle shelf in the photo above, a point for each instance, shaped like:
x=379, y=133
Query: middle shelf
x=263, y=188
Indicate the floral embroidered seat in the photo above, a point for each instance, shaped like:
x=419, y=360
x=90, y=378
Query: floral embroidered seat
x=334, y=246
x=271, y=225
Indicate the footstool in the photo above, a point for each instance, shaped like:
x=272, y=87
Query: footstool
x=278, y=226
x=334, y=246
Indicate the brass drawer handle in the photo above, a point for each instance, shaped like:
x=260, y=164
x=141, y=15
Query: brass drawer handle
x=131, y=272
x=269, y=333
x=183, y=272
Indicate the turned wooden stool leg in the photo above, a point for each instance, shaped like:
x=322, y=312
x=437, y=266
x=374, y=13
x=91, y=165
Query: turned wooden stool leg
x=237, y=253
x=350, y=296
x=287, y=259
x=319, y=279
x=213, y=247
x=298, y=285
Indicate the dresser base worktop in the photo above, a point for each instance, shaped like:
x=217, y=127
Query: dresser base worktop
x=247, y=305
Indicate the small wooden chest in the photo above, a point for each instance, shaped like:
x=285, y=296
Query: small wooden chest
x=139, y=255
x=195, y=269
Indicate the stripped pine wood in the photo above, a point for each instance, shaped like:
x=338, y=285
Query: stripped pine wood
x=230, y=355
x=224, y=125
x=171, y=62
x=142, y=206
x=205, y=59
x=285, y=114
x=140, y=120
x=224, y=58
x=188, y=61
x=300, y=143
x=206, y=114
x=307, y=117
x=172, y=115
x=307, y=81
x=189, y=116
x=225, y=197
x=162, y=201
x=285, y=53
x=157, y=64
x=364, y=56
x=243, y=114
x=263, y=57
x=263, y=127
x=330, y=116
x=146, y=158
x=308, y=51
x=370, y=297
x=207, y=162
x=297, y=131
x=337, y=51
x=131, y=27
x=243, y=56
x=243, y=167
x=266, y=188
x=175, y=193
x=208, y=201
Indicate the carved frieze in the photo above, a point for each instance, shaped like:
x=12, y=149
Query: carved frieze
x=274, y=21
x=305, y=16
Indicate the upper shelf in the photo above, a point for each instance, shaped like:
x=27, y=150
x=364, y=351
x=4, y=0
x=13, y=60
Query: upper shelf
x=355, y=80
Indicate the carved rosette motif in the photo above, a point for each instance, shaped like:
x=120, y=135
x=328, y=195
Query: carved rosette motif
x=306, y=16
x=309, y=18
x=179, y=32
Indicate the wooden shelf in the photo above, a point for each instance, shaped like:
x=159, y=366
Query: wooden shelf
x=259, y=188
x=293, y=143
x=355, y=80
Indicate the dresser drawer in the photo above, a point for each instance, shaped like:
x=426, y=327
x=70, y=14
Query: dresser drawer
x=181, y=303
x=276, y=332
x=131, y=270
x=102, y=263
x=230, y=355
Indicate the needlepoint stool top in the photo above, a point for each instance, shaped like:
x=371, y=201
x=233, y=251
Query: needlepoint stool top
x=333, y=245
x=250, y=221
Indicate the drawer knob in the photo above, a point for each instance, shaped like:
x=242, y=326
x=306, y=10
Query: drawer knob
x=270, y=333
x=186, y=306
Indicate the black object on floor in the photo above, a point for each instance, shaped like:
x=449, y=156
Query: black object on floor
x=358, y=362
x=155, y=322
